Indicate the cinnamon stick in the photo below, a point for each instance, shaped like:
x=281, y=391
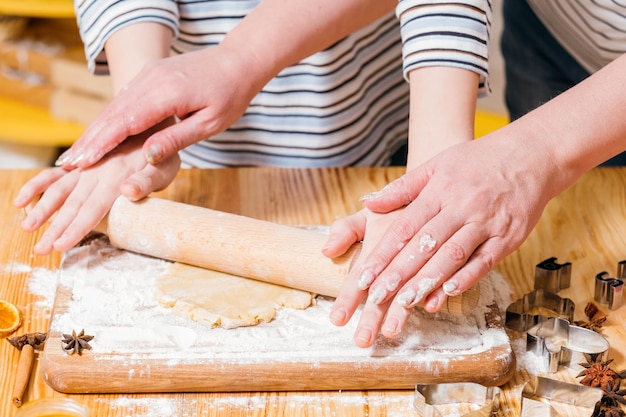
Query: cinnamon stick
x=24, y=369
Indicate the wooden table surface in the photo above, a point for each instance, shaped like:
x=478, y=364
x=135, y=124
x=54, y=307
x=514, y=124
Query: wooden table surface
x=586, y=225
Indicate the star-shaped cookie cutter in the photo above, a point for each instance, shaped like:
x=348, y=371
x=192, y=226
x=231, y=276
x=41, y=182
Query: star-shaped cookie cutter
x=560, y=343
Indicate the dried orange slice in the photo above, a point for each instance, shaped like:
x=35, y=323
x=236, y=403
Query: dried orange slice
x=10, y=318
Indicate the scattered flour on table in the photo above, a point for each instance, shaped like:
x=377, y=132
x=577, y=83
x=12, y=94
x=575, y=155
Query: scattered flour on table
x=42, y=282
x=145, y=407
x=526, y=360
x=112, y=297
x=16, y=267
x=395, y=405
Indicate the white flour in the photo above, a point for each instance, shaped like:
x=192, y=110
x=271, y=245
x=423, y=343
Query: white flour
x=112, y=298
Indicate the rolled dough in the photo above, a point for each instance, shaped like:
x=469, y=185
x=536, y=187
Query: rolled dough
x=224, y=300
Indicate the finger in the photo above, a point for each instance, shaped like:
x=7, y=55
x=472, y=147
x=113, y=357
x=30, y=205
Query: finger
x=395, y=321
x=346, y=304
x=80, y=213
x=414, y=255
x=167, y=142
x=37, y=185
x=399, y=192
x=89, y=215
x=150, y=178
x=50, y=202
x=126, y=115
x=479, y=265
x=344, y=233
x=401, y=232
x=449, y=258
x=445, y=263
x=435, y=300
x=57, y=200
x=369, y=325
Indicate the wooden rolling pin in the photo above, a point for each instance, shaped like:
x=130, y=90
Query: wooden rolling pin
x=238, y=245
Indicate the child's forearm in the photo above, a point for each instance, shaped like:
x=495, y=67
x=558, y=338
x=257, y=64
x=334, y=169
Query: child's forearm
x=133, y=47
x=443, y=102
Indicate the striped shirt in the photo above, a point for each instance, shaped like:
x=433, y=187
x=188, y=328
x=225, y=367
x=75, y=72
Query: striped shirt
x=593, y=32
x=346, y=105
x=446, y=33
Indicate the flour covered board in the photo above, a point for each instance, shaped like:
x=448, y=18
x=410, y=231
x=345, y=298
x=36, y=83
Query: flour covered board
x=140, y=345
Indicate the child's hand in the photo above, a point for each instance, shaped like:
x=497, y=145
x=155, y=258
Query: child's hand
x=82, y=197
x=368, y=227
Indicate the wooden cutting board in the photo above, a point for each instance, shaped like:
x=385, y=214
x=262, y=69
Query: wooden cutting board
x=140, y=346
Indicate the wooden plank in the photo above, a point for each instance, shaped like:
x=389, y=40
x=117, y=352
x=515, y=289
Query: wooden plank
x=156, y=366
x=584, y=225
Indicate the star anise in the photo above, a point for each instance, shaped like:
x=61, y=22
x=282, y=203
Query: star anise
x=33, y=339
x=595, y=317
x=75, y=343
x=609, y=404
x=597, y=373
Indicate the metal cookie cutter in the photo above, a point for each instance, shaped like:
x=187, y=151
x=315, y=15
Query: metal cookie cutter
x=527, y=311
x=579, y=395
x=609, y=290
x=435, y=400
x=484, y=399
x=560, y=343
x=552, y=276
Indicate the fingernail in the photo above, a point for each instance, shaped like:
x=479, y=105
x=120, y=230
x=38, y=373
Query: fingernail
x=63, y=158
x=391, y=327
x=377, y=194
x=433, y=303
x=405, y=297
x=28, y=223
x=329, y=243
x=371, y=196
x=154, y=154
x=424, y=287
x=366, y=279
x=77, y=159
x=42, y=246
x=450, y=287
x=377, y=295
x=363, y=337
x=393, y=281
x=338, y=317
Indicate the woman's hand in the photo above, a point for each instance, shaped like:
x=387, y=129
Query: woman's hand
x=82, y=197
x=204, y=89
x=452, y=220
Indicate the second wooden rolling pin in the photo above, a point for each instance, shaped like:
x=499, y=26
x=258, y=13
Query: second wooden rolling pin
x=239, y=245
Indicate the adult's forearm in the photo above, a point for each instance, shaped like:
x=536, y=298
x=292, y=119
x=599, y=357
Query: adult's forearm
x=279, y=33
x=443, y=103
x=580, y=128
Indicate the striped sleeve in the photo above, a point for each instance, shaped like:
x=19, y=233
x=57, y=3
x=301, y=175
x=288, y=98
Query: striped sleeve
x=99, y=19
x=446, y=33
